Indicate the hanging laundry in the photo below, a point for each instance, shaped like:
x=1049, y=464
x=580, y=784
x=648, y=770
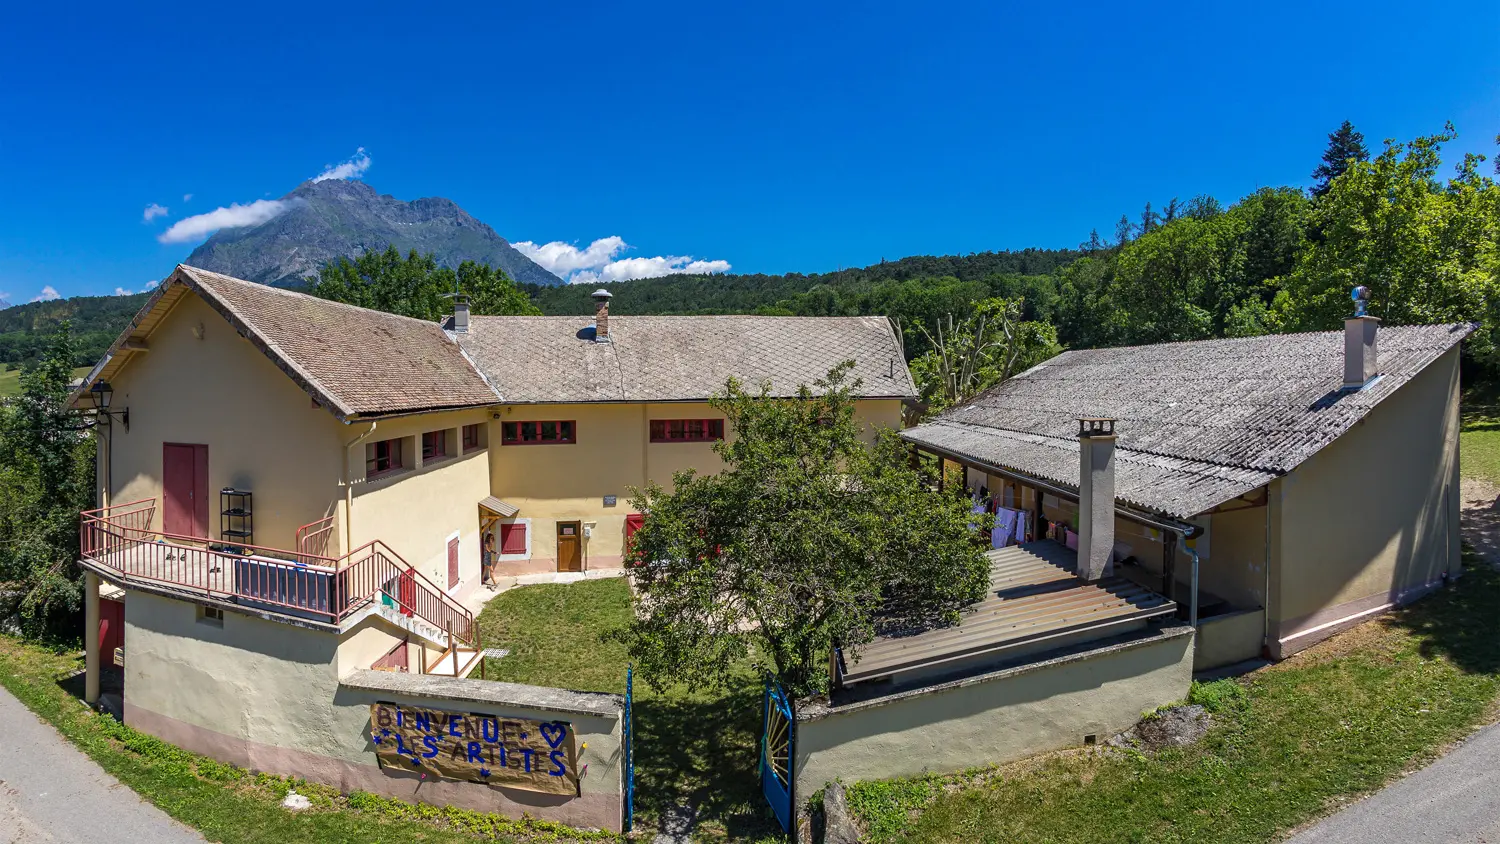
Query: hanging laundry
x=1004, y=531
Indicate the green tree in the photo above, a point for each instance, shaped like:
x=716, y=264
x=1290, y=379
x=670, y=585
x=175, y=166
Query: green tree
x=969, y=356
x=416, y=286
x=1429, y=251
x=1345, y=147
x=46, y=478
x=808, y=537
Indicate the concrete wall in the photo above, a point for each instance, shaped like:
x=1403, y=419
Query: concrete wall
x=202, y=383
x=613, y=452
x=998, y=717
x=1227, y=639
x=417, y=510
x=267, y=695
x=1369, y=522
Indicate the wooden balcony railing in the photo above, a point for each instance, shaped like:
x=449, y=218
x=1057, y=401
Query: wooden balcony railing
x=298, y=583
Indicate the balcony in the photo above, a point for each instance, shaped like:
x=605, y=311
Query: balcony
x=118, y=543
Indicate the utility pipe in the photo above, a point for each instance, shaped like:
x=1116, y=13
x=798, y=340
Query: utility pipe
x=1187, y=545
x=349, y=488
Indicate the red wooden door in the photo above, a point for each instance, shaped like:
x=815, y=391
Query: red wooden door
x=185, y=489
x=111, y=628
x=452, y=563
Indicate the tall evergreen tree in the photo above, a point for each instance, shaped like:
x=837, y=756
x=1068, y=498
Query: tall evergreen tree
x=1123, y=230
x=1094, y=245
x=1149, y=220
x=1171, y=212
x=1345, y=144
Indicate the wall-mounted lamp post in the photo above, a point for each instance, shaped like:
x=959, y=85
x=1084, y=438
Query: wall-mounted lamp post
x=102, y=394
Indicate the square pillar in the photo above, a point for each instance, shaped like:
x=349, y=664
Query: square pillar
x=91, y=638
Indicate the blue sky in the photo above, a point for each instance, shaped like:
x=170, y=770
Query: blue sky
x=773, y=137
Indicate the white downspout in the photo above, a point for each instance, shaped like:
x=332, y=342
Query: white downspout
x=349, y=489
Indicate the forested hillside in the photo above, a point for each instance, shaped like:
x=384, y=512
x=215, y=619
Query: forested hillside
x=96, y=321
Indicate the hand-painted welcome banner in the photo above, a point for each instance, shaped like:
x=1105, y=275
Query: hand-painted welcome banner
x=510, y=752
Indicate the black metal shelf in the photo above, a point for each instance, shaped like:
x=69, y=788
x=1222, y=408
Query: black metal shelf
x=235, y=520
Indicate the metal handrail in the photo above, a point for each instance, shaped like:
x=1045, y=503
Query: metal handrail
x=354, y=579
x=314, y=532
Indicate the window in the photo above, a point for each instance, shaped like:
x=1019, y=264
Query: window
x=686, y=430
x=212, y=616
x=536, y=433
x=382, y=458
x=434, y=445
x=470, y=438
x=513, y=538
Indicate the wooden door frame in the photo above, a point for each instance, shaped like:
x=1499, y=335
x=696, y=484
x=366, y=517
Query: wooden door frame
x=577, y=540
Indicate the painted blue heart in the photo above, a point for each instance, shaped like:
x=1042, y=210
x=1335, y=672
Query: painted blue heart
x=554, y=733
x=484, y=772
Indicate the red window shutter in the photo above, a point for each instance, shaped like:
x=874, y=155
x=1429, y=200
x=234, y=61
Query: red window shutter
x=513, y=538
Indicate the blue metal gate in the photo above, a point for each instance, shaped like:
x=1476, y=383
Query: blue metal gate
x=777, y=745
x=627, y=734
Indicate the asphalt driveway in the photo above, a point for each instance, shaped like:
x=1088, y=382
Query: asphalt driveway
x=51, y=792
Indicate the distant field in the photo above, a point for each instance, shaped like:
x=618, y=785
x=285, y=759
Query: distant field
x=10, y=382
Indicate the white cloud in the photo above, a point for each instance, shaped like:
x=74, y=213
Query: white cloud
x=152, y=212
x=47, y=295
x=597, y=262
x=187, y=197
x=120, y=291
x=350, y=169
x=235, y=216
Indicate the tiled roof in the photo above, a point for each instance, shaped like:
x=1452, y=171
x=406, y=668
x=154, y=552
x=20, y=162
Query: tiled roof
x=1200, y=423
x=678, y=358
x=355, y=360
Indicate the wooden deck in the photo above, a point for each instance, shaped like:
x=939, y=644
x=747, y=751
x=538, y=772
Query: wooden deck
x=1034, y=598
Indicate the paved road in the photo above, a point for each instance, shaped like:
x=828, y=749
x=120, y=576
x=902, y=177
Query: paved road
x=51, y=792
x=1455, y=800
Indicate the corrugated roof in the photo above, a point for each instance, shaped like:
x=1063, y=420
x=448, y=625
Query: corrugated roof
x=679, y=358
x=1034, y=597
x=1200, y=423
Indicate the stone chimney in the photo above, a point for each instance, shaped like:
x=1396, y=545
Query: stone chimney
x=1096, y=496
x=460, y=315
x=1359, y=342
x=601, y=315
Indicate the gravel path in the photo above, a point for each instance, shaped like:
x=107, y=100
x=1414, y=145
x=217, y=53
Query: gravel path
x=51, y=792
x=1481, y=517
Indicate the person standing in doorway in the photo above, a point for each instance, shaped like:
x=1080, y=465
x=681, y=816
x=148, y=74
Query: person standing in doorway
x=490, y=559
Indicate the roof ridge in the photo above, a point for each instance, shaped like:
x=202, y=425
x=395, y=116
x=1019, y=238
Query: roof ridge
x=308, y=296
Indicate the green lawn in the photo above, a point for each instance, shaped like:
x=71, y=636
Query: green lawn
x=693, y=748
x=10, y=381
x=1479, y=444
x=229, y=804
x=1308, y=734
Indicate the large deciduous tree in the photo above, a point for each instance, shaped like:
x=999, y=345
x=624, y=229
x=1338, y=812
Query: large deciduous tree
x=46, y=478
x=968, y=356
x=416, y=286
x=811, y=535
x=1429, y=251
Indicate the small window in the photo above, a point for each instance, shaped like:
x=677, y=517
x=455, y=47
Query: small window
x=470, y=438
x=686, y=430
x=434, y=445
x=212, y=616
x=536, y=433
x=382, y=458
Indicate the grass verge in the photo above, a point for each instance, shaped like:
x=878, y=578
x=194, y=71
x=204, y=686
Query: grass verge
x=230, y=804
x=1479, y=444
x=1304, y=737
x=696, y=750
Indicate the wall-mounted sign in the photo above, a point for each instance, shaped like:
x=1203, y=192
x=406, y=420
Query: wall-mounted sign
x=609, y=501
x=490, y=749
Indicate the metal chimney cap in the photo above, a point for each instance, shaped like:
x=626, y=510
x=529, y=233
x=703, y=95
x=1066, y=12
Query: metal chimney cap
x=1361, y=297
x=602, y=295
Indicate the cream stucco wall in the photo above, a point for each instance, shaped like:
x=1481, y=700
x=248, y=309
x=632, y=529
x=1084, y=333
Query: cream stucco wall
x=262, y=431
x=995, y=718
x=613, y=452
x=417, y=510
x=267, y=695
x=1370, y=520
